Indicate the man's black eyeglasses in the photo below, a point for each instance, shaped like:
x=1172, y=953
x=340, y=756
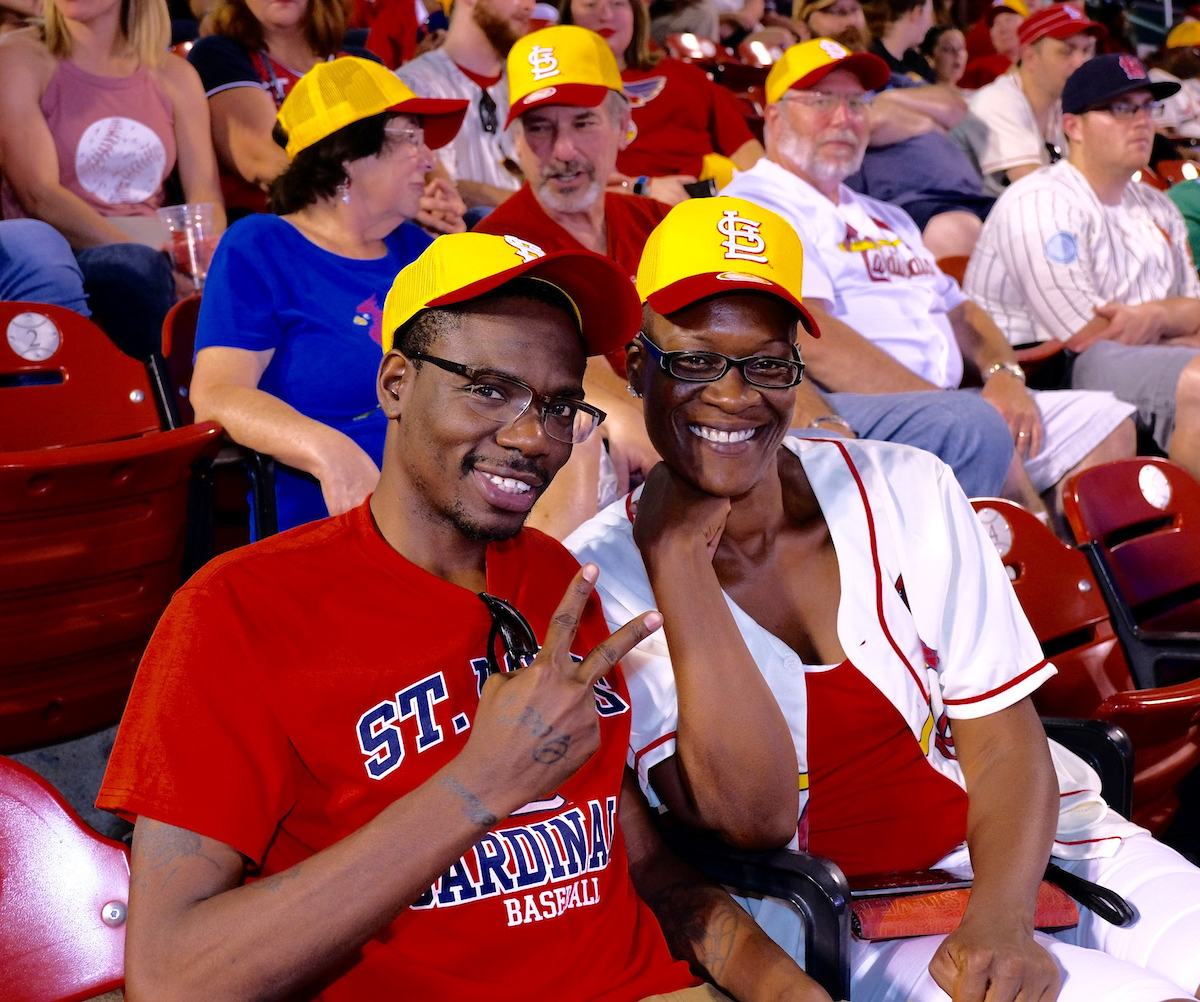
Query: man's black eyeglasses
x=514, y=633
x=767, y=371
x=503, y=400
x=488, y=117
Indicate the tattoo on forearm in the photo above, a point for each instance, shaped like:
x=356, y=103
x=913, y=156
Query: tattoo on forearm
x=700, y=924
x=473, y=807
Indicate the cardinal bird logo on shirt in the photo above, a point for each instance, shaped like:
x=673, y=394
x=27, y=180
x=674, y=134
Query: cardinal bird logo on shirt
x=641, y=92
x=369, y=315
x=886, y=258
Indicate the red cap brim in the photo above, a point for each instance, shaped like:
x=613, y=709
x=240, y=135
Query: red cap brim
x=580, y=95
x=873, y=73
x=609, y=310
x=681, y=294
x=441, y=118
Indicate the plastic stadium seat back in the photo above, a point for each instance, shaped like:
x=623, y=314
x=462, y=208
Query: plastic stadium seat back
x=1063, y=604
x=1176, y=171
x=1143, y=517
x=178, y=347
x=1060, y=597
x=63, y=896
x=63, y=382
x=954, y=266
x=92, y=541
x=695, y=49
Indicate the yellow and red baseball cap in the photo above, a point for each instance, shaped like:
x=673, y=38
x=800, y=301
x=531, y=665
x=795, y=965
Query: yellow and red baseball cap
x=458, y=267
x=562, y=64
x=710, y=246
x=1184, y=36
x=810, y=62
x=999, y=7
x=332, y=95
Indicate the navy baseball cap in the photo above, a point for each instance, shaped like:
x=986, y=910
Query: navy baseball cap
x=1103, y=78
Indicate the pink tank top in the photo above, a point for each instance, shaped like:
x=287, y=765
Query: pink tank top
x=115, y=139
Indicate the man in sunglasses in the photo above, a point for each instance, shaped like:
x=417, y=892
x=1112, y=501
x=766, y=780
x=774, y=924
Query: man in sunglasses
x=469, y=65
x=1081, y=254
x=893, y=321
x=836, y=622
x=343, y=787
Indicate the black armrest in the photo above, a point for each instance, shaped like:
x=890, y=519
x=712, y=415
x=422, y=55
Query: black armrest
x=812, y=884
x=1106, y=748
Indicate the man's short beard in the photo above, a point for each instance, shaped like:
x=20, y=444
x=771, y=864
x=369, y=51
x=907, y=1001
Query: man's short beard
x=854, y=38
x=498, y=31
x=800, y=152
x=578, y=201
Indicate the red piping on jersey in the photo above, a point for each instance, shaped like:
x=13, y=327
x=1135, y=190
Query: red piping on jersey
x=670, y=736
x=629, y=506
x=878, y=572
x=1071, y=793
x=1088, y=841
x=1000, y=688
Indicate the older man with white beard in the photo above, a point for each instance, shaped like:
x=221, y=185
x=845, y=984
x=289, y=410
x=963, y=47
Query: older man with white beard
x=470, y=66
x=891, y=320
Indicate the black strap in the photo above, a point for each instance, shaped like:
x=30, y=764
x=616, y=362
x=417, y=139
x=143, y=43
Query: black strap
x=1106, y=903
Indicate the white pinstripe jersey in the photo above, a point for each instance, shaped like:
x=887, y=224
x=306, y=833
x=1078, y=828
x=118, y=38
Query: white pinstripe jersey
x=1051, y=252
x=474, y=154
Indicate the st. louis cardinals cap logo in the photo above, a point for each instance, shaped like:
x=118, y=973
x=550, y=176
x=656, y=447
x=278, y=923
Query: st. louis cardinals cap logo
x=742, y=240
x=1133, y=67
x=542, y=62
x=527, y=251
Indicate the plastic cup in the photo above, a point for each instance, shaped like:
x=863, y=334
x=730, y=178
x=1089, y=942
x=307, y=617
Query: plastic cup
x=191, y=239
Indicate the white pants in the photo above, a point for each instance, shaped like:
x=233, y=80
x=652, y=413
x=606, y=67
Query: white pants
x=1154, y=959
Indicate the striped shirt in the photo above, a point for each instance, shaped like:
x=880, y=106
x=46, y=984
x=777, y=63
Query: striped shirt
x=474, y=154
x=1051, y=252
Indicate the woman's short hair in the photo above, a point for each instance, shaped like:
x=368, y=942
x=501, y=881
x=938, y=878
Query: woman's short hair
x=637, y=54
x=145, y=25
x=317, y=171
x=325, y=23
x=881, y=13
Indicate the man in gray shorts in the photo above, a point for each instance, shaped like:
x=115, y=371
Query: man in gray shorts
x=1079, y=252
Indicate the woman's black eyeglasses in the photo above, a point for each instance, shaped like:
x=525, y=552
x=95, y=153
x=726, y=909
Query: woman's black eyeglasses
x=514, y=633
x=767, y=371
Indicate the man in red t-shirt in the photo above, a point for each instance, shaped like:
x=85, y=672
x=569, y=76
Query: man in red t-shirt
x=341, y=788
x=569, y=118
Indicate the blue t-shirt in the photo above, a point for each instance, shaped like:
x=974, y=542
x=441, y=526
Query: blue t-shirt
x=270, y=287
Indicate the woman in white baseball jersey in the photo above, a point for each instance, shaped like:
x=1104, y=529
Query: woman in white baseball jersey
x=835, y=606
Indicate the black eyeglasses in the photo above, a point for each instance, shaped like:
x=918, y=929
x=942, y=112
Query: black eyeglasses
x=767, y=371
x=1124, y=111
x=503, y=400
x=514, y=633
x=488, y=117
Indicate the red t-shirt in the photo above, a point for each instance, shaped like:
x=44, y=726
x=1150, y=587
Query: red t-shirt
x=296, y=688
x=630, y=219
x=680, y=115
x=875, y=803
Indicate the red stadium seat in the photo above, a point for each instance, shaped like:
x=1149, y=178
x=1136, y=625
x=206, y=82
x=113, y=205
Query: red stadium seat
x=63, y=896
x=1176, y=171
x=93, y=522
x=1065, y=607
x=178, y=347
x=1138, y=520
x=695, y=49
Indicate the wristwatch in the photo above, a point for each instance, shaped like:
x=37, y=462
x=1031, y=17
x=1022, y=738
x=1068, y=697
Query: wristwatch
x=1011, y=368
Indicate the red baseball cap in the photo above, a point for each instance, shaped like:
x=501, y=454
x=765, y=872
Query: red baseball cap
x=1059, y=20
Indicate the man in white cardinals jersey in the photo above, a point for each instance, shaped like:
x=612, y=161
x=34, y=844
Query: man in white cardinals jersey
x=892, y=320
x=344, y=788
x=1078, y=252
x=843, y=662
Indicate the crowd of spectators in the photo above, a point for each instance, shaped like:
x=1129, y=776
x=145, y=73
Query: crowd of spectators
x=948, y=193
